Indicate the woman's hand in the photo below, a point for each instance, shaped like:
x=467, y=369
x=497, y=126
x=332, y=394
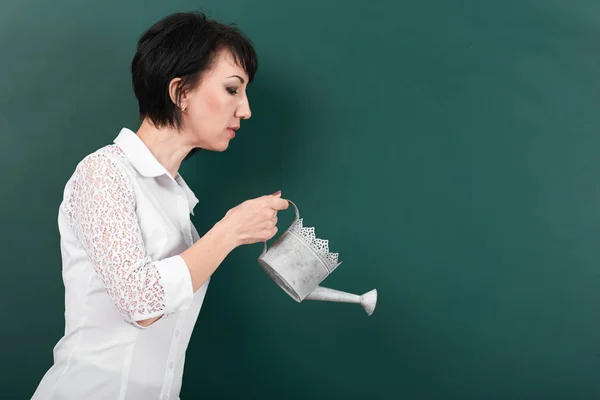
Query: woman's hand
x=254, y=220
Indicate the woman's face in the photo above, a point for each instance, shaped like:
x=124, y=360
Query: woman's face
x=213, y=110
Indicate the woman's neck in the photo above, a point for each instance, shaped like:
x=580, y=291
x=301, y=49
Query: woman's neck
x=167, y=145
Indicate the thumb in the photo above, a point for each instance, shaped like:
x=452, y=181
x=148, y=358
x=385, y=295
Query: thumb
x=277, y=193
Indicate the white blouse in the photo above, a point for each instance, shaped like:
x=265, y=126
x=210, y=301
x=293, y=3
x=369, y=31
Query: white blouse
x=123, y=222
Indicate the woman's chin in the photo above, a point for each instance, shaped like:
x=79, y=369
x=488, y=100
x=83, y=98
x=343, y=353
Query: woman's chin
x=221, y=146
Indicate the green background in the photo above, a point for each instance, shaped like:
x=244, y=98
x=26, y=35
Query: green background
x=447, y=149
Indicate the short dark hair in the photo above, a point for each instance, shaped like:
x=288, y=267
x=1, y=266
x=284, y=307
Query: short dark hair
x=182, y=45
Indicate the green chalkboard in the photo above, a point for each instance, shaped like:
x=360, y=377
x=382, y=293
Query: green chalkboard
x=448, y=150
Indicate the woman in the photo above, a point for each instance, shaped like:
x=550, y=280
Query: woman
x=135, y=269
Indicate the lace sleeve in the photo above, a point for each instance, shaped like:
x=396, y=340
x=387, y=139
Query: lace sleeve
x=101, y=210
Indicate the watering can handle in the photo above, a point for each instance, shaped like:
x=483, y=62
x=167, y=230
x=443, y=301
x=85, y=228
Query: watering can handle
x=296, y=219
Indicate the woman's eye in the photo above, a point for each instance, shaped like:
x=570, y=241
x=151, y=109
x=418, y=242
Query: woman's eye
x=232, y=90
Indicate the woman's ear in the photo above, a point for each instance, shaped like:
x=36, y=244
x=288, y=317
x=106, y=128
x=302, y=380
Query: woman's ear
x=176, y=93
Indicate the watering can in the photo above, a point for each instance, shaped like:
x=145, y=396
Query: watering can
x=298, y=262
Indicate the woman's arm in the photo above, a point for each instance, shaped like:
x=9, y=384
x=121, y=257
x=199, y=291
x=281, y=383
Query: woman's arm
x=101, y=210
x=100, y=207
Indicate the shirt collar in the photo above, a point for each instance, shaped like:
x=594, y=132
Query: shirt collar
x=146, y=164
x=138, y=154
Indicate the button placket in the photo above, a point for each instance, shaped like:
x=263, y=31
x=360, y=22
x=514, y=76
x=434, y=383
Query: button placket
x=184, y=217
x=171, y=364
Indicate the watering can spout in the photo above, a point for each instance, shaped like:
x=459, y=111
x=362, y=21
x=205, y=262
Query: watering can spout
x=367, y=300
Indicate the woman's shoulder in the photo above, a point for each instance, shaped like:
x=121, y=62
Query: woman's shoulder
x=108, y=159
x=104, y=167
x=102, y=174
x=108, y=153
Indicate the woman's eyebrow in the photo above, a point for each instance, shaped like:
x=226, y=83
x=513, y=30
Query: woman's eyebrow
x=237, y=76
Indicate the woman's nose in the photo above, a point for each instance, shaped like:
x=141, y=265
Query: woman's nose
x=243, y=111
